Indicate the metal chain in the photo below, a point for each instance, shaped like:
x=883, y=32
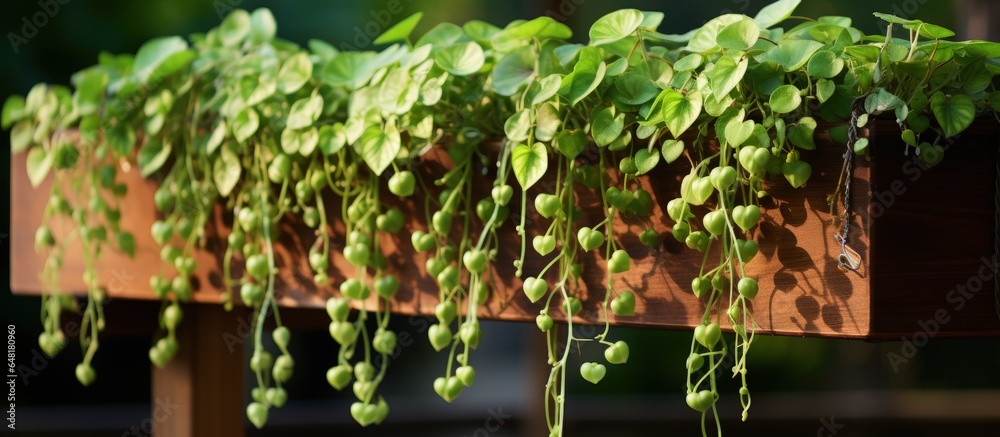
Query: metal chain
x=849, y=259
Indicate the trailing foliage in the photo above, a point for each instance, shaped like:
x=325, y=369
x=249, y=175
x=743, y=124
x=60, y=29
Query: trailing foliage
x=267, y=128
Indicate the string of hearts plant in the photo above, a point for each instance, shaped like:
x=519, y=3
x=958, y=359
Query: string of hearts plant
x=274, y=131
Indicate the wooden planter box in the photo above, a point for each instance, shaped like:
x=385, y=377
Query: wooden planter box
x=921, y=234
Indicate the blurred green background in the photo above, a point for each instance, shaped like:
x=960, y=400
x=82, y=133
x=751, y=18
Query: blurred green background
x=801, y=386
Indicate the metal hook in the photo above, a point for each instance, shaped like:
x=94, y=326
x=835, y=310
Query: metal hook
x=849, y=259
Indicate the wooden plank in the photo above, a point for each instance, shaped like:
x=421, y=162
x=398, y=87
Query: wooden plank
x=802, y=291
x=204, y=381
x=934, y=233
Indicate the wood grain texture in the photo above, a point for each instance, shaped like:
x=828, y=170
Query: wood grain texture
x=202, y=386
x=803, y=292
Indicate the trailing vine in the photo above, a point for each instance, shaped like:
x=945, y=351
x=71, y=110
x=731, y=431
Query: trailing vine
x=277, y=132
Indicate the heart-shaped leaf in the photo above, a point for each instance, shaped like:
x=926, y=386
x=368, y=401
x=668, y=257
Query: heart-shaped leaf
x=535, y=288
x=606, y=126
x=825, y=64
x=570, y=143
x=790, y=54
x=518, y=126
x=740, y=35
x=294, y=72
x=746, y=217
x=737, y=132
x=593, y=372
x=617, y=353
x=726, y=75
x=954, y=113
x=38, y=165
x=529, y=163
x=544, y=244
x=679, y=110
x=797, y=173
x=379, y=147
x=461, y=59
x=615, y=26
x=645, y=161
x=671, y=150
x=513, y=71
x=785, y=99
x=624, y=304
x=775, y=13
x=801, y=134
x=400, y=31
x=152, y=155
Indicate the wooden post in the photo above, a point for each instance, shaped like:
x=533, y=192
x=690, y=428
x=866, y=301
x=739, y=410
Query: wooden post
x=202, y=387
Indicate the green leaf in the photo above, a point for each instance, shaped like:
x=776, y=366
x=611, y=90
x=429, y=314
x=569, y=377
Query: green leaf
x=651, y=20
x=518, y=125
x=954, y=113
x=825, y=64
x=461, y=59
x=785, y=99
x=825, y=89
x=152, y=155
x=930, y=31
x=548, y=87
x=126, y=243
x=860, y=145
x=606, y=126
x=350, y=69
x=39, y=163
x=89, y=93
x=219, y=133
x=379, y=147
x=121, y=138
x=726, y=75
x=245, y=124
x=295, y=72
x=21, y=136
x=13, y=111
x=398, y=92
x=775, y=13
x=615, y=26
x=234, y=28
x=581, y=82
x=671, y=150
x=301, y=141
x=226, y=170
x=305, y=112
x=262, y=26
x=790, y=54
x=547, y=121
x=443, y=34
x=570, y=143
x=801, y=134
x=889, y=18
x=689, y=62
x=679, y=110
x=516, y=35
x=635, y=89
x=704, y=38
x=332, y=138
x=154, y=52
x=481, y=31
x=529, y=163
x=400, y=31
x=645, y=161
x=740, y=35
x=880, y=101
x=513, y=71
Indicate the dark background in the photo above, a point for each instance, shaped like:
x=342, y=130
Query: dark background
x=800, y=385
